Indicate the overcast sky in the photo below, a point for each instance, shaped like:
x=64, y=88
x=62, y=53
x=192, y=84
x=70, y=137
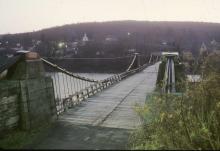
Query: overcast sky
x=28, y=15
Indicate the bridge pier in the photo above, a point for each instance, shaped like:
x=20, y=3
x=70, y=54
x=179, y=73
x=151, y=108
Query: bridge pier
x=138, y=60
x=36, y=103
x=167, y=75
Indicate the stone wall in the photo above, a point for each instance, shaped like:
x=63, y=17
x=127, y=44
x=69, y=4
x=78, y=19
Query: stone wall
x=26, y=104
x=26, y=95
x=9, y=105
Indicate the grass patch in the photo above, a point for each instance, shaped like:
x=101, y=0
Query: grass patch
x=17, y=139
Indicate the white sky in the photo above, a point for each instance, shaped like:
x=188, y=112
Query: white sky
x=28, y=15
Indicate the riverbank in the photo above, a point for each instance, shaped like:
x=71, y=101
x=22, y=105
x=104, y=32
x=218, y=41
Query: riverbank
x=190, y=120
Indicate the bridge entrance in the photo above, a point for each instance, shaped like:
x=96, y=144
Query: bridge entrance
x=105, y=120
x=87, y=118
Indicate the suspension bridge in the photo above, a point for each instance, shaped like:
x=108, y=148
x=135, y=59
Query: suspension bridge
x=93, y=114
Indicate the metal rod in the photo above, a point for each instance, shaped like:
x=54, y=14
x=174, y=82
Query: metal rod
x=67, y=85
x=64, y=85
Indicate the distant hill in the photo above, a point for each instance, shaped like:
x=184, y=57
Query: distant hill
x=145, y=35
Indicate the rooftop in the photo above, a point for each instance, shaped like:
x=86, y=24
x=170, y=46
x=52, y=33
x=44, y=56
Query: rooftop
x=170, y=54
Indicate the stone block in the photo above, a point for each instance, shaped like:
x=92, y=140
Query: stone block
x=35, y=85
x=3, y=117
x=12, y=120
x=49, y=82
x=19, y=69
x=3, y=108
x=25, y=121
x=36, y=95
x=35, y=69
x=4, y=92
x=3, y=100
x=24, y=107
x=13, y=110
x=13, y=90
x=10, y=99
x=12, y=84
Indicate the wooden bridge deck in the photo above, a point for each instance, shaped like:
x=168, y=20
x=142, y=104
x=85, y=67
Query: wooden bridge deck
x=104, y=117
x=114, y=107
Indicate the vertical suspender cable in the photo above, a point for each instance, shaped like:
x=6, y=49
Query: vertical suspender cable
x=78, y=84
x=60, y=93
x=71, y=85
x=64, y=85
x=67, y=85
x=55, y=86
x=74, y=85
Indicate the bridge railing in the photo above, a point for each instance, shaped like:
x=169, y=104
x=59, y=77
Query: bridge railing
x=70, y=89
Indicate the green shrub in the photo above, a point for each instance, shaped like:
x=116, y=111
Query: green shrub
x=187, y=121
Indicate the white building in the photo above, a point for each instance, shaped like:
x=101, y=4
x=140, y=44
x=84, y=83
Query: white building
x=194, y=78
x=170, y=53
x=203, y=48
x=85, y=38
x=18, y=45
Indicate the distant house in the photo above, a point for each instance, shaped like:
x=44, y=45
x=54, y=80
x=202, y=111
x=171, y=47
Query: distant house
x=74, y=44
x=203, y=51
x=164, y=43
x=9, y=55
x=194, y=78
x=213, y=42
x=38, y=42
x=187, y=55
x=131, y=50
x=59, y=52
x=110, y=38
x=97, y=53
x=17, y=48
x=75, y=52
x=188, y=60
x=209, y=47
x=100, y=53
x=18, y=45
x=214, y=45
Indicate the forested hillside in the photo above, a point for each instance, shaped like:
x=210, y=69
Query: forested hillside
x=144, y=36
